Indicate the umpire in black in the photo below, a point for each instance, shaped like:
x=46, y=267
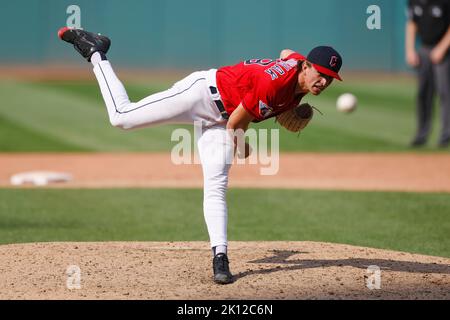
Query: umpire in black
x=429, y=21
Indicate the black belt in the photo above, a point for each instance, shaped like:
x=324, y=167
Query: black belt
x=219, y=103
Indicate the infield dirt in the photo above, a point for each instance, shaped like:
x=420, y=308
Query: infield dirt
x=335, y=171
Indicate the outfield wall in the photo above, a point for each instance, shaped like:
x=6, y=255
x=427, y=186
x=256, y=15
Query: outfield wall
x=206, y=33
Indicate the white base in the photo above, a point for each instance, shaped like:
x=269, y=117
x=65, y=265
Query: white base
x=39, y=178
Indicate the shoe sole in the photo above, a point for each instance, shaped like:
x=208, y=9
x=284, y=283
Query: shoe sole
x=65, y=34
x=224, y=280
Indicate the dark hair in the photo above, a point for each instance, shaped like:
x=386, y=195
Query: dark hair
x=300, y=64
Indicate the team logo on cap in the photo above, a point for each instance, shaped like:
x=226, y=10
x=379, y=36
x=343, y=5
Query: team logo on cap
x=333, y=61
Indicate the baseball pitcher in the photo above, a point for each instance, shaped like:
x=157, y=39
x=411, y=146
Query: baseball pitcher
x=223, y=100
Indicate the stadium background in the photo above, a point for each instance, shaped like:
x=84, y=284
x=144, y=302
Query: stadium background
x=203, y=33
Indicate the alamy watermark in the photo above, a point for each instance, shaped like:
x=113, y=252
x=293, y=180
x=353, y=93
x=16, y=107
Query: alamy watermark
x=216, y=145
x=74, y=18
x=373, y=277
x=73, y=280
x=373, y=22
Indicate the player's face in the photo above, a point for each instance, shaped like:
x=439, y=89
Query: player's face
x=315, y=81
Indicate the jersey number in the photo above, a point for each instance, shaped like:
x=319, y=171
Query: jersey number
x=261, y=62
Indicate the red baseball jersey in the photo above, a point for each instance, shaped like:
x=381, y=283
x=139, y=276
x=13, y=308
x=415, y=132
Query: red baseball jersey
x=265, y=87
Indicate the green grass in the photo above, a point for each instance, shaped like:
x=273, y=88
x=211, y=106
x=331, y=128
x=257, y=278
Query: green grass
x=409, y=222
x=73, y=112
x=72, y=116
x=23, y=139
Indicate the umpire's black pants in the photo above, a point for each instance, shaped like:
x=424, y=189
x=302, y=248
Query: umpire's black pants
x=432, y=78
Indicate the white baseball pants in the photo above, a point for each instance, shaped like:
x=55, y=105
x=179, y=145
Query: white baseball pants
x=187, y=101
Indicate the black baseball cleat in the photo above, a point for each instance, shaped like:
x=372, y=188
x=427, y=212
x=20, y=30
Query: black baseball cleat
x=222, y=274
x=444, y=143
x=418, y=142
x=86, y=43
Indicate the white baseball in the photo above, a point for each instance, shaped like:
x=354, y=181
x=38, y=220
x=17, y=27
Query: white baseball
x=346, y=102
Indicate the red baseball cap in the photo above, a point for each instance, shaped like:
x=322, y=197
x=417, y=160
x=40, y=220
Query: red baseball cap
x=326, y=60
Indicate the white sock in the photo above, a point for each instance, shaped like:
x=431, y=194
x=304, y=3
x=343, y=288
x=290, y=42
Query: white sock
x=219, y=249
x=97, y=57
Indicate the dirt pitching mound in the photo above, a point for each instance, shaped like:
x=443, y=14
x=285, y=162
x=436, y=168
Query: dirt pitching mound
x=182, y=270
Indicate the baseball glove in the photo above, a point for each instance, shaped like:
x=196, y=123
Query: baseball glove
x=296, y=119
